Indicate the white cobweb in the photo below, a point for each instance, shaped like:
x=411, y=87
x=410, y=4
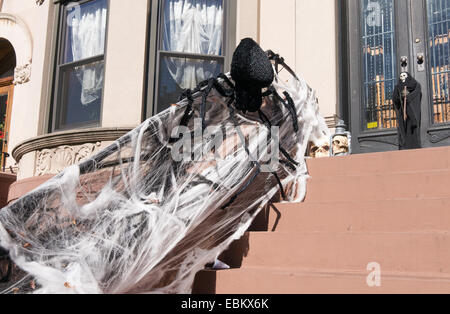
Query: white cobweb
x=133, y=220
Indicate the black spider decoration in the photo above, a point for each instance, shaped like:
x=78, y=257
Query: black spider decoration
x=252, y=72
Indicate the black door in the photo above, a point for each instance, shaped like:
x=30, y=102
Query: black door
x=386, y=37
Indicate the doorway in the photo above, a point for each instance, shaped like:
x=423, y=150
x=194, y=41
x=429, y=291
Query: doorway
x=7, y=66
x=386, y=37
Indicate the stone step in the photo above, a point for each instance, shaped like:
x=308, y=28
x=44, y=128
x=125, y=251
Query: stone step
x=388, y=186
x=296, y=281
x=390, y=208
x=430, y=159
x=424, y=252
x=382, y=216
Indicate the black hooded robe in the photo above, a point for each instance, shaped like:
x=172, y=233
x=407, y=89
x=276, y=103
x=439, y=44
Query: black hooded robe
x=409, y=130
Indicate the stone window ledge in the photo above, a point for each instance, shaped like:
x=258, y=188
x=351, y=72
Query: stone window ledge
x=68, y=138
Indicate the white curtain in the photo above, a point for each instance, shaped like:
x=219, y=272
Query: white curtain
x=88, y=40
x=193, y=26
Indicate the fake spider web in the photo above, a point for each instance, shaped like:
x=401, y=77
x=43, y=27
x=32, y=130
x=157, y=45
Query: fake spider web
x=133, y=220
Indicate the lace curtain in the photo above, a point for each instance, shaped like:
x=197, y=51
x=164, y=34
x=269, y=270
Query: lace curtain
x=88, y=40
x=192, y=26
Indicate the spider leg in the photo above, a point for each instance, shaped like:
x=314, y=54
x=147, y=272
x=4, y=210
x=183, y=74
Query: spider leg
x=269, y=126
x=290, y=162
x=226, y=80
x=291, y=107
x=222, y=91
x=280, y=61
x=269, y=91
x=205, y=94
x=255, y=163
x=243, y=189
x=188, y=113
x=188, y=94
x=289, y=158
x=236, y=126
x=288, y=103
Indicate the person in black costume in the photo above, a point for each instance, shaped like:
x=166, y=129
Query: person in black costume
x=408, y=95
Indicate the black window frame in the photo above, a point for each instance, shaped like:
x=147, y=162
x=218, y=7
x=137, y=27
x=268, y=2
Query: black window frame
x=155, y=51
x=59, y=67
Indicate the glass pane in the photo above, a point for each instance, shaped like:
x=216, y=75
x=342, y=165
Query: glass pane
x=3, y=108
x=379, y=64
x=81, y=95
x=439, y=55
x=8, y=59
x=177, y=74
x=85, y=30
x=3, y=113
x=193, y=26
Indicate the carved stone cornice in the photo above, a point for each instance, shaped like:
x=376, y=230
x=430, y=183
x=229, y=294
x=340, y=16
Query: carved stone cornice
x=331, y=122
x=68, y=138
x=22, y=74
x=55, y=160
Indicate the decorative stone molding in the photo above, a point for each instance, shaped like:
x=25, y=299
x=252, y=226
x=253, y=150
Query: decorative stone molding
x=53, y=161
x=439, y=134
x=22, y=74
x=68, y=138
x=331, y=122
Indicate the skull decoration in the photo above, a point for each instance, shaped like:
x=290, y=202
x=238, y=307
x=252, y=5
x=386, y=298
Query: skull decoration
x=340, y=145
x=403, y=77
x=319, y=150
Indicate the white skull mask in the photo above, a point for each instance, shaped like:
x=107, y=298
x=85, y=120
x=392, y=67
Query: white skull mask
x=340, y=145
x=403, y=77
x=320, y=151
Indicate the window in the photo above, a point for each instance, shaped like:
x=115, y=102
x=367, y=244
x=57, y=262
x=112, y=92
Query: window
x=379, y=64
x=80, y=65
x=190, y=46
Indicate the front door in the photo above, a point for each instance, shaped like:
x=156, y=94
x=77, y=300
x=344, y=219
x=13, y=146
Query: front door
x=6, y=99
x=387, y=37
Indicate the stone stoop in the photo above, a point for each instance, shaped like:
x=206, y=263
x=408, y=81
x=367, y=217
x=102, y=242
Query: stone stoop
x=391, y=209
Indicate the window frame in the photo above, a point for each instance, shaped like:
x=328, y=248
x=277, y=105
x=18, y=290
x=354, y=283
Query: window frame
x=155, y=51
x=59, y=67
